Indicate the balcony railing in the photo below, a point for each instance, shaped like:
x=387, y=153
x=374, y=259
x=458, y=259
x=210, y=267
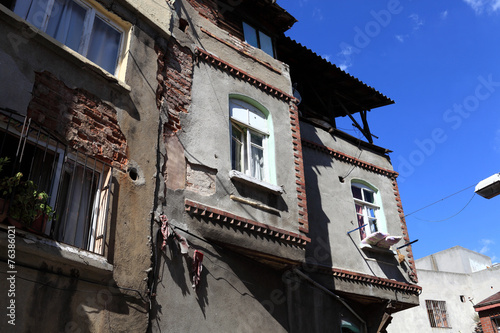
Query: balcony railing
x=78, y=185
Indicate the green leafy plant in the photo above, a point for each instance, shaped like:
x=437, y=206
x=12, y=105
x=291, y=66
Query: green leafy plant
x=26, y=202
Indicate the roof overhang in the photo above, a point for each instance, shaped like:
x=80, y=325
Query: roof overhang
x=324, y=87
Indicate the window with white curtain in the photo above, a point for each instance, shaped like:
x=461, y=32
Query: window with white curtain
x=249, y=140
x=77, y=25
x=78, y=185
x=367, y=208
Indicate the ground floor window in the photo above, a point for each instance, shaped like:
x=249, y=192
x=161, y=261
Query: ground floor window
x=74, y=185
x=438, y=316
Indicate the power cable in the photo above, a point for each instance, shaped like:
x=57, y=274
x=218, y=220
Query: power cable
x=461, y=210
x=449, y=196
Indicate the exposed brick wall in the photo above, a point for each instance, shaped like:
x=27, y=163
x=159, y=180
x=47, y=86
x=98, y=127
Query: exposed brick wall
x=206, y=8
x=175, y=78
x=486, y=318
x=85, y=122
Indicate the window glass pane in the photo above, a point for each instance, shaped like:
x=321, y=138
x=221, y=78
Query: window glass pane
x=356, y=192
x=373, y=226
x=371, y=212
x=266, y=43
x=257, y=139
x=36, y=14
x=66, y=23
x=250, y=35
x=236, y=149
x=21, y=8
x=368, y=196
x=104, y=45
x=257, y=163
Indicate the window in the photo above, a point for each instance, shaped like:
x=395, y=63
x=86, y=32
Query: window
x=436, y=310
x=367, y=209
x=77, y=184
x=258, y=39
x=250, y=140
x=78, y=26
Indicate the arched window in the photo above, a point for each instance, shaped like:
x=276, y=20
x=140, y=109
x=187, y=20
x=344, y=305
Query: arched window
x=367, y=207
x=250, y=139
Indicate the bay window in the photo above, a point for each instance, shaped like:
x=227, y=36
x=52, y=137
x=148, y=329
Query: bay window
x=77, y=25
x=249, y=140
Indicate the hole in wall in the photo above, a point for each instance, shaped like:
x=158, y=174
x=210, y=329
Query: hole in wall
x=183, y=24
x=132, y=173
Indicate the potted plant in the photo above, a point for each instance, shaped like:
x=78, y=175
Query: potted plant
x=24, y=205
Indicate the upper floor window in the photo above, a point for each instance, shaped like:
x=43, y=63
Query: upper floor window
x=77, y=25
x=250, y=136
x=436, y=310
x=258, y=39
x=367, y=208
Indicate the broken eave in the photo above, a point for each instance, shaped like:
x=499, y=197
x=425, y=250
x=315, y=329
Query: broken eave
x=266, y=13
x=324, y=87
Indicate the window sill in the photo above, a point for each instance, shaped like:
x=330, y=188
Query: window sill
x=247, y=180
x=36, y=251
x=28, y=31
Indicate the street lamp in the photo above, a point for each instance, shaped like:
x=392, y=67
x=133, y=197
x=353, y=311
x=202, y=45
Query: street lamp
x=489, y=187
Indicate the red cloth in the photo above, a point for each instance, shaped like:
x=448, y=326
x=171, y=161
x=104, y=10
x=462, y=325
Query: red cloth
x=197, y=267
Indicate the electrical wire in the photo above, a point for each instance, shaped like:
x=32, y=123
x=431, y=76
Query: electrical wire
x=449, y=196
x=461, y=210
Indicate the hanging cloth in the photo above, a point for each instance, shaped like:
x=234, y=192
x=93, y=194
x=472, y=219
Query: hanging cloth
x=197, y=267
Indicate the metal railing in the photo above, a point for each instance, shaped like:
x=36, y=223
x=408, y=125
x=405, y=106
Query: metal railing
x=78, y=185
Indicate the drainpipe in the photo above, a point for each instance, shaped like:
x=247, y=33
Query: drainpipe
x=337, y=297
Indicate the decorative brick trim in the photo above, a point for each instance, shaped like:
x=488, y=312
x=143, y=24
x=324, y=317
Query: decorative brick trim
x=234, y=221
x=370, y=279
x=240, y=47
x=404, y=228
x=299, y=168
x=350, y=159
x=236, y=72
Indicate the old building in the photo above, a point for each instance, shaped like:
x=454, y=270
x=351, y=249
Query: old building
x=79, y=118
x=455, y=282
x=198, y=179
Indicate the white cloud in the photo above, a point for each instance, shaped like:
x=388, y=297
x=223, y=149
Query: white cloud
x=479, y=6
x=444, y=15
x=401, y=38
x=317, y=14
x=345, y=57
x=327, y=57
x=486, y=245
x=417, y=21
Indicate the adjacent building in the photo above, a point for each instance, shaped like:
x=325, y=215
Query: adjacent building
x=459, y=287
x=199, y=181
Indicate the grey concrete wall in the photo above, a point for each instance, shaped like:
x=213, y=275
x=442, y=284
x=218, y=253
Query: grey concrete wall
x=331, y=206
x=73, y=302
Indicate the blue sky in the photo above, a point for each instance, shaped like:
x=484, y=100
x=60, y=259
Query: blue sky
x=440, y=62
